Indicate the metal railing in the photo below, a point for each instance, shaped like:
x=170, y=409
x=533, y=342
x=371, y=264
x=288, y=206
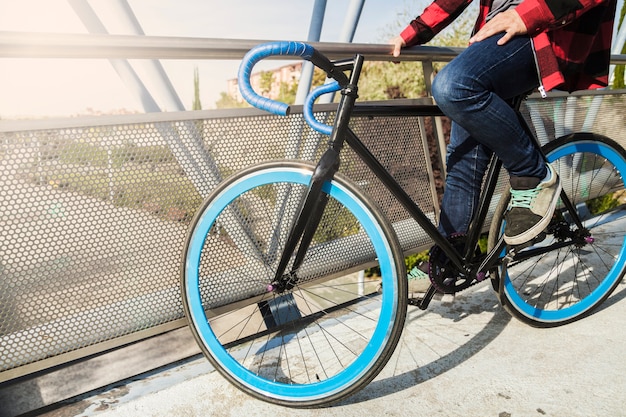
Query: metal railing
x=53, y=45
x=94, y=211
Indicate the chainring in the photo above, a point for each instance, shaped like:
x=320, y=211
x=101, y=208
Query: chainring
x=443, y=274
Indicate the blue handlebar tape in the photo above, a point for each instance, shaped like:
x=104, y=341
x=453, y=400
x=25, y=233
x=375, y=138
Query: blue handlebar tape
x=308, y=106
x=258, y=53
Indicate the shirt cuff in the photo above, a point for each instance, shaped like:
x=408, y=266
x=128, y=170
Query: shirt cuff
x=408, y=35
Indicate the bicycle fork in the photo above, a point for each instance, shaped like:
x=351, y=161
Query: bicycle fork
x=307, y=221
x=314, y=203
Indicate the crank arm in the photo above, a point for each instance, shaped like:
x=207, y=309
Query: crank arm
x=423, y=302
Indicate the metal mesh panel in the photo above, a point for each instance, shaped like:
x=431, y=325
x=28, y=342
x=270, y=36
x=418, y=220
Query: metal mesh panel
x=399, y=145
x=244, y=243
x=555, y=117
x=92, y=221
x=94, y=218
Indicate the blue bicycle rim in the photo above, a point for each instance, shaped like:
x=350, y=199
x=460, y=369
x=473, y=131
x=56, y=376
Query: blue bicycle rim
x=389, y=307
x=614, y=273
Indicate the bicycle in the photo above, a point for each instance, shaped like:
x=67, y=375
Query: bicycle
x=279, y=322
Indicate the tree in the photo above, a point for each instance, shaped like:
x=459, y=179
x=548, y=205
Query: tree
x=197, y=105
x=287, y=92
x=267, y=78
x=386, y=80
x=456, y=34
x=227, y=102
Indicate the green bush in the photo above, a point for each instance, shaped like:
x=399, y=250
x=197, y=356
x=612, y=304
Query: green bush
x=601, y=204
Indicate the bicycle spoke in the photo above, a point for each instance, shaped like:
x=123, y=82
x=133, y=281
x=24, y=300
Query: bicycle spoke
x=573, y=270
x=308, y=331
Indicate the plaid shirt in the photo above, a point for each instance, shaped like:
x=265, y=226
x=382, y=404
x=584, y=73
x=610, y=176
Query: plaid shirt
x=571, y=38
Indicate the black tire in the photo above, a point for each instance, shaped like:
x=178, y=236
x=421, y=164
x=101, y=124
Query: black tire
x=323, y=339
x=568, y=282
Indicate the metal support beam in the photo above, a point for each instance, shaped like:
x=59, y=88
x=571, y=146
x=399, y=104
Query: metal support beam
x=315, y=31
x=165, y=90
x=352, y=21
x=202, y=166
x=347, y=34
x=128, y=75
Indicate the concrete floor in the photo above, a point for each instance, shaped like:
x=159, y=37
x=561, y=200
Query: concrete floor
x=462, y=358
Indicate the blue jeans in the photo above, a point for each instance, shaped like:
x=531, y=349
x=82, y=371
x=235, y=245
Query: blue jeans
x=473, y=90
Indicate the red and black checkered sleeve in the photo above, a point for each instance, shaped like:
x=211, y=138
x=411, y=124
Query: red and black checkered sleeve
x=541, y=15
x=433, y=19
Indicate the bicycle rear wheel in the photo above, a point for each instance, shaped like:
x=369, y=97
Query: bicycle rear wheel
x=331, y=333
x=573, y=270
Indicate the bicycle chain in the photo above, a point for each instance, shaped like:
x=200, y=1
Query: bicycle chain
x=446, y=279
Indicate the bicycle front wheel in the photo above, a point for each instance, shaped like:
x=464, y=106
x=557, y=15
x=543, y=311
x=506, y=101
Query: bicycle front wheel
x=328, y=335
x=574, y=269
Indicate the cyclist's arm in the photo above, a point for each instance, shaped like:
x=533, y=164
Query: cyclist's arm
x=507, y=22
x=433, y=19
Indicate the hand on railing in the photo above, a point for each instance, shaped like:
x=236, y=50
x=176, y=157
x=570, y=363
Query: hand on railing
x=298, y=49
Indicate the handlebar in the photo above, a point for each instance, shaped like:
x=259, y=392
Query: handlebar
x=308, y=106
x=289, y=48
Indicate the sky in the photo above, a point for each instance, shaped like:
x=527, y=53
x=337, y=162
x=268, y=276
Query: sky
x=36, y=88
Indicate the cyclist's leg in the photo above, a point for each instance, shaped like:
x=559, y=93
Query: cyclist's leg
x=466, y=162
x=473, y=90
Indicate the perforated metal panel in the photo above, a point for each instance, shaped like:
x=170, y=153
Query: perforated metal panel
x=599, y=112
x=94, y=218
x=94, y=214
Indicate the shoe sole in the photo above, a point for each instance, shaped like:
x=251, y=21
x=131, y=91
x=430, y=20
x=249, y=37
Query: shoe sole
x=418, y=283
x=534, y=231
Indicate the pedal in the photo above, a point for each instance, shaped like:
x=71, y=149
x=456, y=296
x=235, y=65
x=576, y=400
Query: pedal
x=423, y=302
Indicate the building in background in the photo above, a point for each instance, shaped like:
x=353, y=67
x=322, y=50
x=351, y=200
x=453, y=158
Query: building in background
x=287, y=74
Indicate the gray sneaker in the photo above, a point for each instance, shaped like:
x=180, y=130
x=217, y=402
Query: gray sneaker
x=531, y=207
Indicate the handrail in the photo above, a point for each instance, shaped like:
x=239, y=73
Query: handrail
x=58, y=45
x=80, y=45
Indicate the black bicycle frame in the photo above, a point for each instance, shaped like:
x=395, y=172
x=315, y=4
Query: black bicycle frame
x=459, y=260
x=464, y=261
x=313, y=204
